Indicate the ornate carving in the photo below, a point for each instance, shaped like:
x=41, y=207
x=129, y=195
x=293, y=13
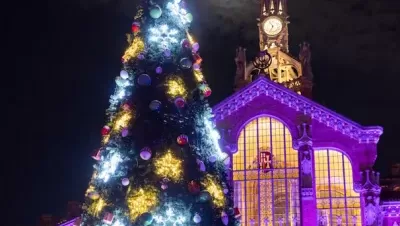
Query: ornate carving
x=370, y=190
x=301, y=104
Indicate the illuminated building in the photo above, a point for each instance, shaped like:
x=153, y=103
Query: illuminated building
x=294, y=162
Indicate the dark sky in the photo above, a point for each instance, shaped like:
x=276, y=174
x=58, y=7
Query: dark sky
x=62, y=58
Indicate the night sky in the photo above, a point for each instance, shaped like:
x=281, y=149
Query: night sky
x=61, y=58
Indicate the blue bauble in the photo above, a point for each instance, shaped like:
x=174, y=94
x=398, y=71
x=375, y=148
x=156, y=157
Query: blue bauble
x=144, y=80
x=186, y=63
x=155, y=105
x=155, y=12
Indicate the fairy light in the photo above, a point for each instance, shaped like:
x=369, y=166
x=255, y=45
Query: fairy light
x=214, y=136
x=122, y=121
x=190, y=38
x=198, y=75
x=106, y=138
x=141, y=201
x=216, y=191
x=170, y=218
x=136, y=47
x=96, y=207
x=176, y=87
x=109, y=166
x=168, y=166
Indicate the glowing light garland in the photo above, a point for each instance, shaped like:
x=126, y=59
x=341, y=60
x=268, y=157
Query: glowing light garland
x=183, y=16
x=136, y=47
x=176, y=87
x=215, y=189
x=141, y=201
x=96, y=207
x=108, y=167
x=170, y=218
x=122, y=121
x=163, y=36
x=214, y=136
x=169, y=167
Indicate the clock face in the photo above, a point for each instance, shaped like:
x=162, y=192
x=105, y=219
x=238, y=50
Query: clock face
x=272, y=26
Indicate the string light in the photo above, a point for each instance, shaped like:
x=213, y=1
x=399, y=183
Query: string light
x=216, y=191
x=170, y=218
x=136, y=47
x=168, y=166
x=142, y=201
x=96, y=207
x=198, y=75
x=176, y=87
x=123, y=120
x=109, y=166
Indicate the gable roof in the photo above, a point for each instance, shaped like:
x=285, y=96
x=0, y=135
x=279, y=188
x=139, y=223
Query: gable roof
x=263, y=86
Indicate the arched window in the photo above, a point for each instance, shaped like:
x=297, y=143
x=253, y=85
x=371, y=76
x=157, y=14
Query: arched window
x=336, y=198
x=266, y=175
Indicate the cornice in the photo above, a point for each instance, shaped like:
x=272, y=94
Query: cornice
x=265, y=87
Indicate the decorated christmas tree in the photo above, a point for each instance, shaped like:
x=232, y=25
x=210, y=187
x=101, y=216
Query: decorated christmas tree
x=160, y=162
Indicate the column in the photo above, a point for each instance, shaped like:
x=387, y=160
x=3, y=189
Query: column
x=370, y=191
x=307, y=184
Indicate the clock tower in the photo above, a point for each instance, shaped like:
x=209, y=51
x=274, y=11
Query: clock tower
x=274, y=61
x=273, y=25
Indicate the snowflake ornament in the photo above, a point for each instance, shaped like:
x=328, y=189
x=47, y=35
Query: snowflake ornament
x=182, y=14
x=164, y=36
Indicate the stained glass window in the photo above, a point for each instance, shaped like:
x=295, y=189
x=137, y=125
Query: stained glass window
x=336, y=198
x=266, y=175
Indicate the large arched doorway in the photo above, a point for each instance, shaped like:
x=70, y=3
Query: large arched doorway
x=266, y=174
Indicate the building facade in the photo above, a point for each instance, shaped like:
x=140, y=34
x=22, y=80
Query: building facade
x=294, y=162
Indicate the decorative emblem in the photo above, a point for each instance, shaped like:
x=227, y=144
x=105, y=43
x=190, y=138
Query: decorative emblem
x=370, y=214
x=306, y=167
x=263, y=60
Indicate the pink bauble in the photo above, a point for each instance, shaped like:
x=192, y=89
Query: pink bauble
x=105, y=130
x=145, y=153
x=124, y=132
x=195, y=47
x=182, y=139
x=164, y=186
x=196, y=67
x=179, y=102
x=125, y=182
x=158, y=70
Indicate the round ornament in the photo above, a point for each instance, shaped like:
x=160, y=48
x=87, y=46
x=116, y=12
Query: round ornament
x=195, y=47
x=93, y=195
x=164, y=186
x=224, y=218
x=212, y=159
x=225, y=191
x=147, y=218
x=125, y=181
x=144, y=80
x=182, y=139
x=196, y=67
x=124, y=74
x=124, y=132
x=159, y=70
x=179, y=102
x=194, y=187
x=155, y=12
x=196, y=218
x=135, y=27
x=207, y=91
x=145, y=153
x=155, y=105
x=189, y=17
x=185, y=43
x=105, y=130
x=185, y=63
x=141, y=56
x=197, y=58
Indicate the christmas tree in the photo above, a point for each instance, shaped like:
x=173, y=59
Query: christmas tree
x=160, y=162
